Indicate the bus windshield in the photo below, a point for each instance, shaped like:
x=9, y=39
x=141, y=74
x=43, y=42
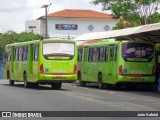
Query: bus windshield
x=137, y=51
x=58, y=50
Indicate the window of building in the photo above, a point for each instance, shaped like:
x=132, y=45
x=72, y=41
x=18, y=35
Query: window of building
x=90, y=27
x=106, y=28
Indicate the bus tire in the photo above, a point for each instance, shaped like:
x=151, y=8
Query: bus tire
x=26, y=84
x=11, y=82
x=81, y=83
x=100, y=84
x=56, y=86
x=35, y=85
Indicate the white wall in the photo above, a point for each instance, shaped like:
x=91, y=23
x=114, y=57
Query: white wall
x=83, y=24
x=35, y=24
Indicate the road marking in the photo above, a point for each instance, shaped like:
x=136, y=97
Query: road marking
x=119, y=104
x=104, y=91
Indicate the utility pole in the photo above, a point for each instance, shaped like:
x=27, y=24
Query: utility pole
x=46, y=20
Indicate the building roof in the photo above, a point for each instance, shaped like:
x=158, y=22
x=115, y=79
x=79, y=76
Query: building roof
x=150, y=32
x=77, y=13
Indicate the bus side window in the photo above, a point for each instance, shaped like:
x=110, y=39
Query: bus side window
x=20, y=53
x=112, y=53
x=25, y=53
x=79, y=55
x=36, y=49
x=8, y=55
x=85, y=58
x=102, y=54
x=106, y=54
x=116, y=50
x=90, y=57
x=95, y=54
x=16, y=54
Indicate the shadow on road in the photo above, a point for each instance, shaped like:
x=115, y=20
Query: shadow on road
x=140, y=90
x=40, y=87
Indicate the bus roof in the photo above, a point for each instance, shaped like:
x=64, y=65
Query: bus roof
x=112, y=41
x=37, y=41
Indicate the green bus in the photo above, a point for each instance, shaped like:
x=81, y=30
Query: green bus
x=112, y=62
x=49, y=61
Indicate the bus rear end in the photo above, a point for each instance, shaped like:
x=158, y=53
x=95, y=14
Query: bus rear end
x=58, y=62
x=137, y=64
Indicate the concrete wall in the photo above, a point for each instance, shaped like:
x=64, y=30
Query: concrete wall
x=33, y=26
x=82, y=24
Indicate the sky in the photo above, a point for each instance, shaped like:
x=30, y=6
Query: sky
x=14, y=13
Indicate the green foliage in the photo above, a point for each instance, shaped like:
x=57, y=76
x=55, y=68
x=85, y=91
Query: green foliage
x=135, y=12
x=12, y=37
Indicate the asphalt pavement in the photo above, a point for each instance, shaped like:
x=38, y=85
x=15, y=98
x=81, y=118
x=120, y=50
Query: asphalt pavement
x=75, y=98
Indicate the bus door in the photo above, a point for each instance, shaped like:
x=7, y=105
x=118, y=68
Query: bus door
x=13, y=58
x=157, y=53
x=85, y=64
x=4, y=60
x=111, y=61
x=30, y=61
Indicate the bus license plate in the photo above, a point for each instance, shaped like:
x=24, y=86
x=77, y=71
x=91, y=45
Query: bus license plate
x=58, y=78
x=137, y=79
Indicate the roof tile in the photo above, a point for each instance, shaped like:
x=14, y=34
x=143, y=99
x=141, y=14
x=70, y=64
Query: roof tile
x=77, y=13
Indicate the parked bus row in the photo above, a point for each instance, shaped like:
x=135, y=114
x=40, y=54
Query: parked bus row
x=41, y=62
x=107, y=62
x=113, y=63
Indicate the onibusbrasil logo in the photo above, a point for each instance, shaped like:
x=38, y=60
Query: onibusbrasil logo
x=21, y=114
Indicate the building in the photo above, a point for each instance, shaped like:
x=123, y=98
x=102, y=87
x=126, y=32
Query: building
x=72, y=23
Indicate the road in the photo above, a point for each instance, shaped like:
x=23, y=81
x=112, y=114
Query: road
x=74, y=98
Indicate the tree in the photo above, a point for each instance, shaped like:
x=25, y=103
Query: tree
x=12, y=37
x=135, y=12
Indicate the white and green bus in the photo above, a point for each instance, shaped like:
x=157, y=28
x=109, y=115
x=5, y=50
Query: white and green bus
x=111, y=62
x=51, y=61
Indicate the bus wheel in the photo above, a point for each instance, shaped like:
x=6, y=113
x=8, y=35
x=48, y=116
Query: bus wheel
x=35, y=85
x=100, y=84
x=56, y=86
x=81, y=83
x=11, y=82
x=26, y=84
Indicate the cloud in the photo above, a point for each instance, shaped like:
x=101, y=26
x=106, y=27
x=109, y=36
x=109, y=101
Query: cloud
x=16, y=12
